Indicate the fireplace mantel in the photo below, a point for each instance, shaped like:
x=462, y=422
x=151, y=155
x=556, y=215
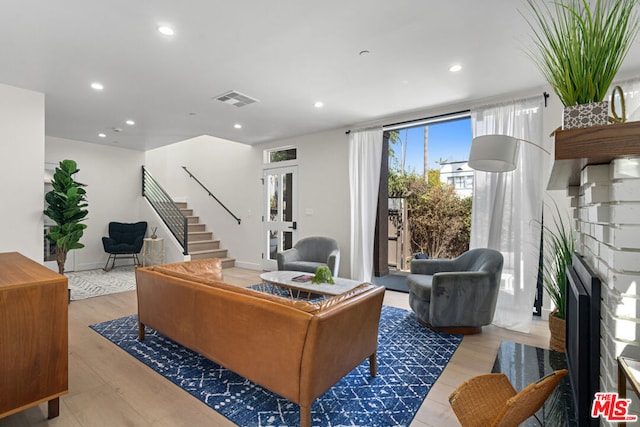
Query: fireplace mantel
x=576, y=148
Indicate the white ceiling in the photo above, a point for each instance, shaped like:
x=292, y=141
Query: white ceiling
x=286, y=53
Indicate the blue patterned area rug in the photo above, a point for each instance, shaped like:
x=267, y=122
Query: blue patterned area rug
x=410, y=360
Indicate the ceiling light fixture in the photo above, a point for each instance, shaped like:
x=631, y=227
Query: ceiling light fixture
x=237, y=126
x=455, y=68
x=102, y=135
x=166, y=30
x=130, y=122
x=97, y=86
x=319, y=104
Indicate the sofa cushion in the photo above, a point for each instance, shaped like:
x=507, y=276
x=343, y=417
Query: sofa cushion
x=420, y=285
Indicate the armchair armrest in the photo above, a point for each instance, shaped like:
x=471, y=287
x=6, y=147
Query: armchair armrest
x=431, y=266
x=333, y=262
x=138, y=243
x=287, y=256
x=107, y=243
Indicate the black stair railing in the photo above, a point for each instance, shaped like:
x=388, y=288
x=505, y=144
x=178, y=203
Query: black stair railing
x=166, y=208
x=211, y=194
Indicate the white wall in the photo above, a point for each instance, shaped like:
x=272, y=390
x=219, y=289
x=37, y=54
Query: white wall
x=22, y=171
x=233, y=173
x=324, y=198
x=113, y=179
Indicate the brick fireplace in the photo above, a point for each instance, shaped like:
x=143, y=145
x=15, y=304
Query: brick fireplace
x=606, y=208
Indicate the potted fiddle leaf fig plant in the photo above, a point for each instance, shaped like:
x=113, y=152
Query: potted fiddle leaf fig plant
x=579, y=46
x=559, y=245
x=66, y=206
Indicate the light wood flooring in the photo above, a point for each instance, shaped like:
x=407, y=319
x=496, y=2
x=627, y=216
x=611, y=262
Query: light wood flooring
x=107, y=387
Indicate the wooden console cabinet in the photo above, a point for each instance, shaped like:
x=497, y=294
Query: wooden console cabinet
x=33, y=335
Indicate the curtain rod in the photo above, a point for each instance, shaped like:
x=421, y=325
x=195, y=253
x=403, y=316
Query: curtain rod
x=439, y=117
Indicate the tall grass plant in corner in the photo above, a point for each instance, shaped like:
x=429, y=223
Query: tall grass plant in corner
x=579, y=45
x=559, y=245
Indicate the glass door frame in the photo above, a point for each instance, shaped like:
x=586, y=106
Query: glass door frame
x=278, y=234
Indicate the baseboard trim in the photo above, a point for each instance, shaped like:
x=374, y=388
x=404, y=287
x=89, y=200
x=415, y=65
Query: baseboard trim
x=249, y=265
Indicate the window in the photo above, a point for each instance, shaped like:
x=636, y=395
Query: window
x=281, y=155
x=428, y=170
x=469, y=182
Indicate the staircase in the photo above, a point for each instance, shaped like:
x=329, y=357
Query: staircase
x=201, y=244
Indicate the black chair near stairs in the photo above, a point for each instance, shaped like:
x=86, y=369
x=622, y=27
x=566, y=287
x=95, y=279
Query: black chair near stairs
x=124, y=241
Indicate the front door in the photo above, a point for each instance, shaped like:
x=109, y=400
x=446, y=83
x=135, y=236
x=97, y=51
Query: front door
x=280, y=212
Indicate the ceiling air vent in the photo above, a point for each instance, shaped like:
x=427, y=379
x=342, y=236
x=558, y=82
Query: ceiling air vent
x=236, y=98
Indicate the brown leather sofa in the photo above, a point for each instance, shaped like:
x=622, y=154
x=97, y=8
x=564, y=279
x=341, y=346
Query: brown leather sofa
x=296, y=349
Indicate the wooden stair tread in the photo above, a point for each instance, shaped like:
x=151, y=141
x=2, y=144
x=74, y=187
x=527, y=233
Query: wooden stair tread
x=203, y=238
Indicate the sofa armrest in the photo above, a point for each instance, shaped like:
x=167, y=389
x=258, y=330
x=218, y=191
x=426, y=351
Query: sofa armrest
x=286, y=256
x=339, y=339
x=462, y=299
x=431, y=266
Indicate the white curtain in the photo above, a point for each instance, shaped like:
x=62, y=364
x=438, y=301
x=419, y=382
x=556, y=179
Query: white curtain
x=507, y=207
x=365, y=155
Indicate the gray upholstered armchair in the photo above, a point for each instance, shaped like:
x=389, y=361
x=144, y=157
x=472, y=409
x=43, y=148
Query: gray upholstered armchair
x=310, y=253
x=456, y=295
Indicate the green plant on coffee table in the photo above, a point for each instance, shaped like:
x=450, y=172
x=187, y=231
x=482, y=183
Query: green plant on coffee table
x=323, y=275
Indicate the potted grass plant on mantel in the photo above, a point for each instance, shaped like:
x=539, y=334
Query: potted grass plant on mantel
x=559, y=245
x=579, y=46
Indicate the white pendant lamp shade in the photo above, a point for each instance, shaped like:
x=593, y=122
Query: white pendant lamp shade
x=493, y=153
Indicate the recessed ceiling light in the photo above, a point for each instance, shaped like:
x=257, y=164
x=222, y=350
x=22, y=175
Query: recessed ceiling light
x=97, y=86
x=166, y=30
x=455, y=68
x=319, y=104
x=130, y=122
x=237, y=126
x=102, y=135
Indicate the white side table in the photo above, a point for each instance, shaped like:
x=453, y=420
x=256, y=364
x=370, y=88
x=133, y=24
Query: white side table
x=152, y=251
